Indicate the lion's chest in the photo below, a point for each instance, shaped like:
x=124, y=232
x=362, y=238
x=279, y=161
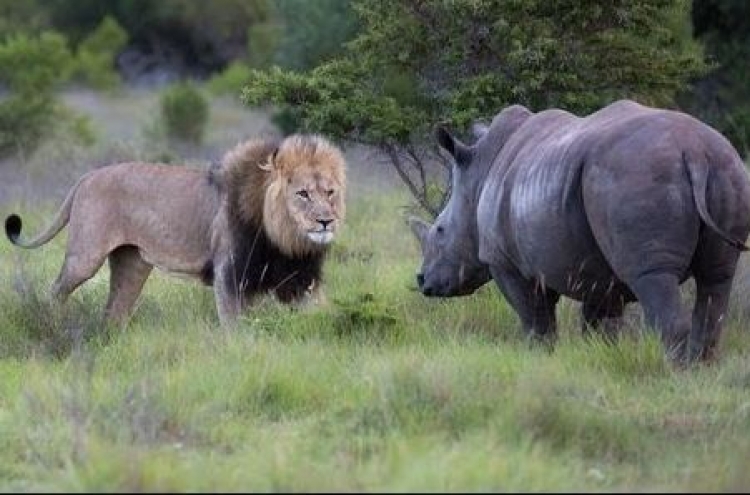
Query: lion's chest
x=258, y=266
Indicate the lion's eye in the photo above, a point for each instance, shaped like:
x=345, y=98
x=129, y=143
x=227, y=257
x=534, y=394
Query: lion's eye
x=303, y=194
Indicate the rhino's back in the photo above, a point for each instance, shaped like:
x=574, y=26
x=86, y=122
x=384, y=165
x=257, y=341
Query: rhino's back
x=530, y=210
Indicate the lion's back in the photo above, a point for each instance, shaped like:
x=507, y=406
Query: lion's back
x=164, y=210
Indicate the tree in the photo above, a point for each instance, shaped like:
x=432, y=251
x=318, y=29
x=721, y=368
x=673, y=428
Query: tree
x=415, y=63
x=722, y=97
x=186, y=36
x=312, y=32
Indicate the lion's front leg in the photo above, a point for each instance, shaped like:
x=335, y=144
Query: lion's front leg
x=227, y=306
x=230, y=301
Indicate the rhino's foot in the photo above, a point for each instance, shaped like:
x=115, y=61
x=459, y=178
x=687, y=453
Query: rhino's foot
x=701, y=353
x=545, y=341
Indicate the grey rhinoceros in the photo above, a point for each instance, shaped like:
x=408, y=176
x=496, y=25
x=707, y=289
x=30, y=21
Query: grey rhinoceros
x=619, y=206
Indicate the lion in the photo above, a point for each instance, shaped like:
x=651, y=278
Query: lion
x=260, y=222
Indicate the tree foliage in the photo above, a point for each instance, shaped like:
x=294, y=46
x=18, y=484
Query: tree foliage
x=18, y=17
x=202, y=36
x=722, y=97
x=418, y=62
x=298, y=35
x=311, y=32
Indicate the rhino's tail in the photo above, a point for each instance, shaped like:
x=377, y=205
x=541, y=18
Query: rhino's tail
x=698, y=174
x=13, y=224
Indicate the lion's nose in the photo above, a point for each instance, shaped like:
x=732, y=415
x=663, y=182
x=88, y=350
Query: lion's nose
x=325, y=223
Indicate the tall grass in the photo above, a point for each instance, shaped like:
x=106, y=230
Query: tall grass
x=380, y=389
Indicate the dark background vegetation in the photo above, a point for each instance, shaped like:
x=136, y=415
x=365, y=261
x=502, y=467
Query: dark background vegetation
x=381, y=73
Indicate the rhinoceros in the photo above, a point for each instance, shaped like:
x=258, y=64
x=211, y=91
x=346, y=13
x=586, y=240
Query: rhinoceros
x=622, y=205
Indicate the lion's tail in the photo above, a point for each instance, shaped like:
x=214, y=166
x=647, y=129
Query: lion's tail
x=698, y=174
x=13, y=223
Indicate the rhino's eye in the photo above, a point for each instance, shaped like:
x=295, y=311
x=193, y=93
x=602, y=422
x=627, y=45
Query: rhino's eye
x=302, y=193
x=329, y=192
x=440, y=229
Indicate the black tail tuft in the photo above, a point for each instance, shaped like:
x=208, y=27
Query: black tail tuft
x=13, y=227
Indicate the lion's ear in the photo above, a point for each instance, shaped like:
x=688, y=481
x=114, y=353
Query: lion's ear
x=271, y=163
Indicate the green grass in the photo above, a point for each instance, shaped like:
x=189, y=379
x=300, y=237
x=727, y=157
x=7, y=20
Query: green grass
x=380, y=389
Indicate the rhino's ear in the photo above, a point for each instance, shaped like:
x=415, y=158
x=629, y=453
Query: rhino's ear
x=419, y=227
x=478, y=130
x=458, y=150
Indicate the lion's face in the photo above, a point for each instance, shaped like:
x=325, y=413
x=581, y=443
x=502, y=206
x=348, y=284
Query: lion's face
x=314, y=203
x=304, y=205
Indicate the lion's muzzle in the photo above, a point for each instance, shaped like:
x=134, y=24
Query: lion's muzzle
x=320, y=236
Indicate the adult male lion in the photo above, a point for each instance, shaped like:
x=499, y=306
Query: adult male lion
x=260, y=222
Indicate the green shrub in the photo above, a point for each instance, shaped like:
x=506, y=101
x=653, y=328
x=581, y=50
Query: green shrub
x=31, y=65
x=230, y=80
x=184, y=111
x=31, y=68
x=94, y=63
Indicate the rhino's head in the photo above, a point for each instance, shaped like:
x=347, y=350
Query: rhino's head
x=450, y=263
x=450, y=246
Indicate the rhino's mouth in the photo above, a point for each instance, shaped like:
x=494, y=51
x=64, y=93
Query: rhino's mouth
x=448, y=280
x=443, y=289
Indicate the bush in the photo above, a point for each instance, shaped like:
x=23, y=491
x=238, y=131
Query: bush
x=230, y=80
x=30, y=69
x=184, y=112
x=95, y=59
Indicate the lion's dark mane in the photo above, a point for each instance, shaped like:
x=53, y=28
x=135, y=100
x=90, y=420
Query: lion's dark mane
x=261, y=267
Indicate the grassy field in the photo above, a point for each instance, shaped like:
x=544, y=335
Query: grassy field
x=381, y=389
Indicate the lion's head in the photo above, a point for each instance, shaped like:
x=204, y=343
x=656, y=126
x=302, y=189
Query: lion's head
x=295, y=187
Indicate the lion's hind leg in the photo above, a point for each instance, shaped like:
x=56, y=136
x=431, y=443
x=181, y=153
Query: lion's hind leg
x=76, y=269
x=128, y=273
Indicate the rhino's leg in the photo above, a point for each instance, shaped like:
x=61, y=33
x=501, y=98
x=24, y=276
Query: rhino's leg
x=659, y=295
x=602, y=314
x=710, y=306
x=534, y=303
x=713, y=268
x=128, y=273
